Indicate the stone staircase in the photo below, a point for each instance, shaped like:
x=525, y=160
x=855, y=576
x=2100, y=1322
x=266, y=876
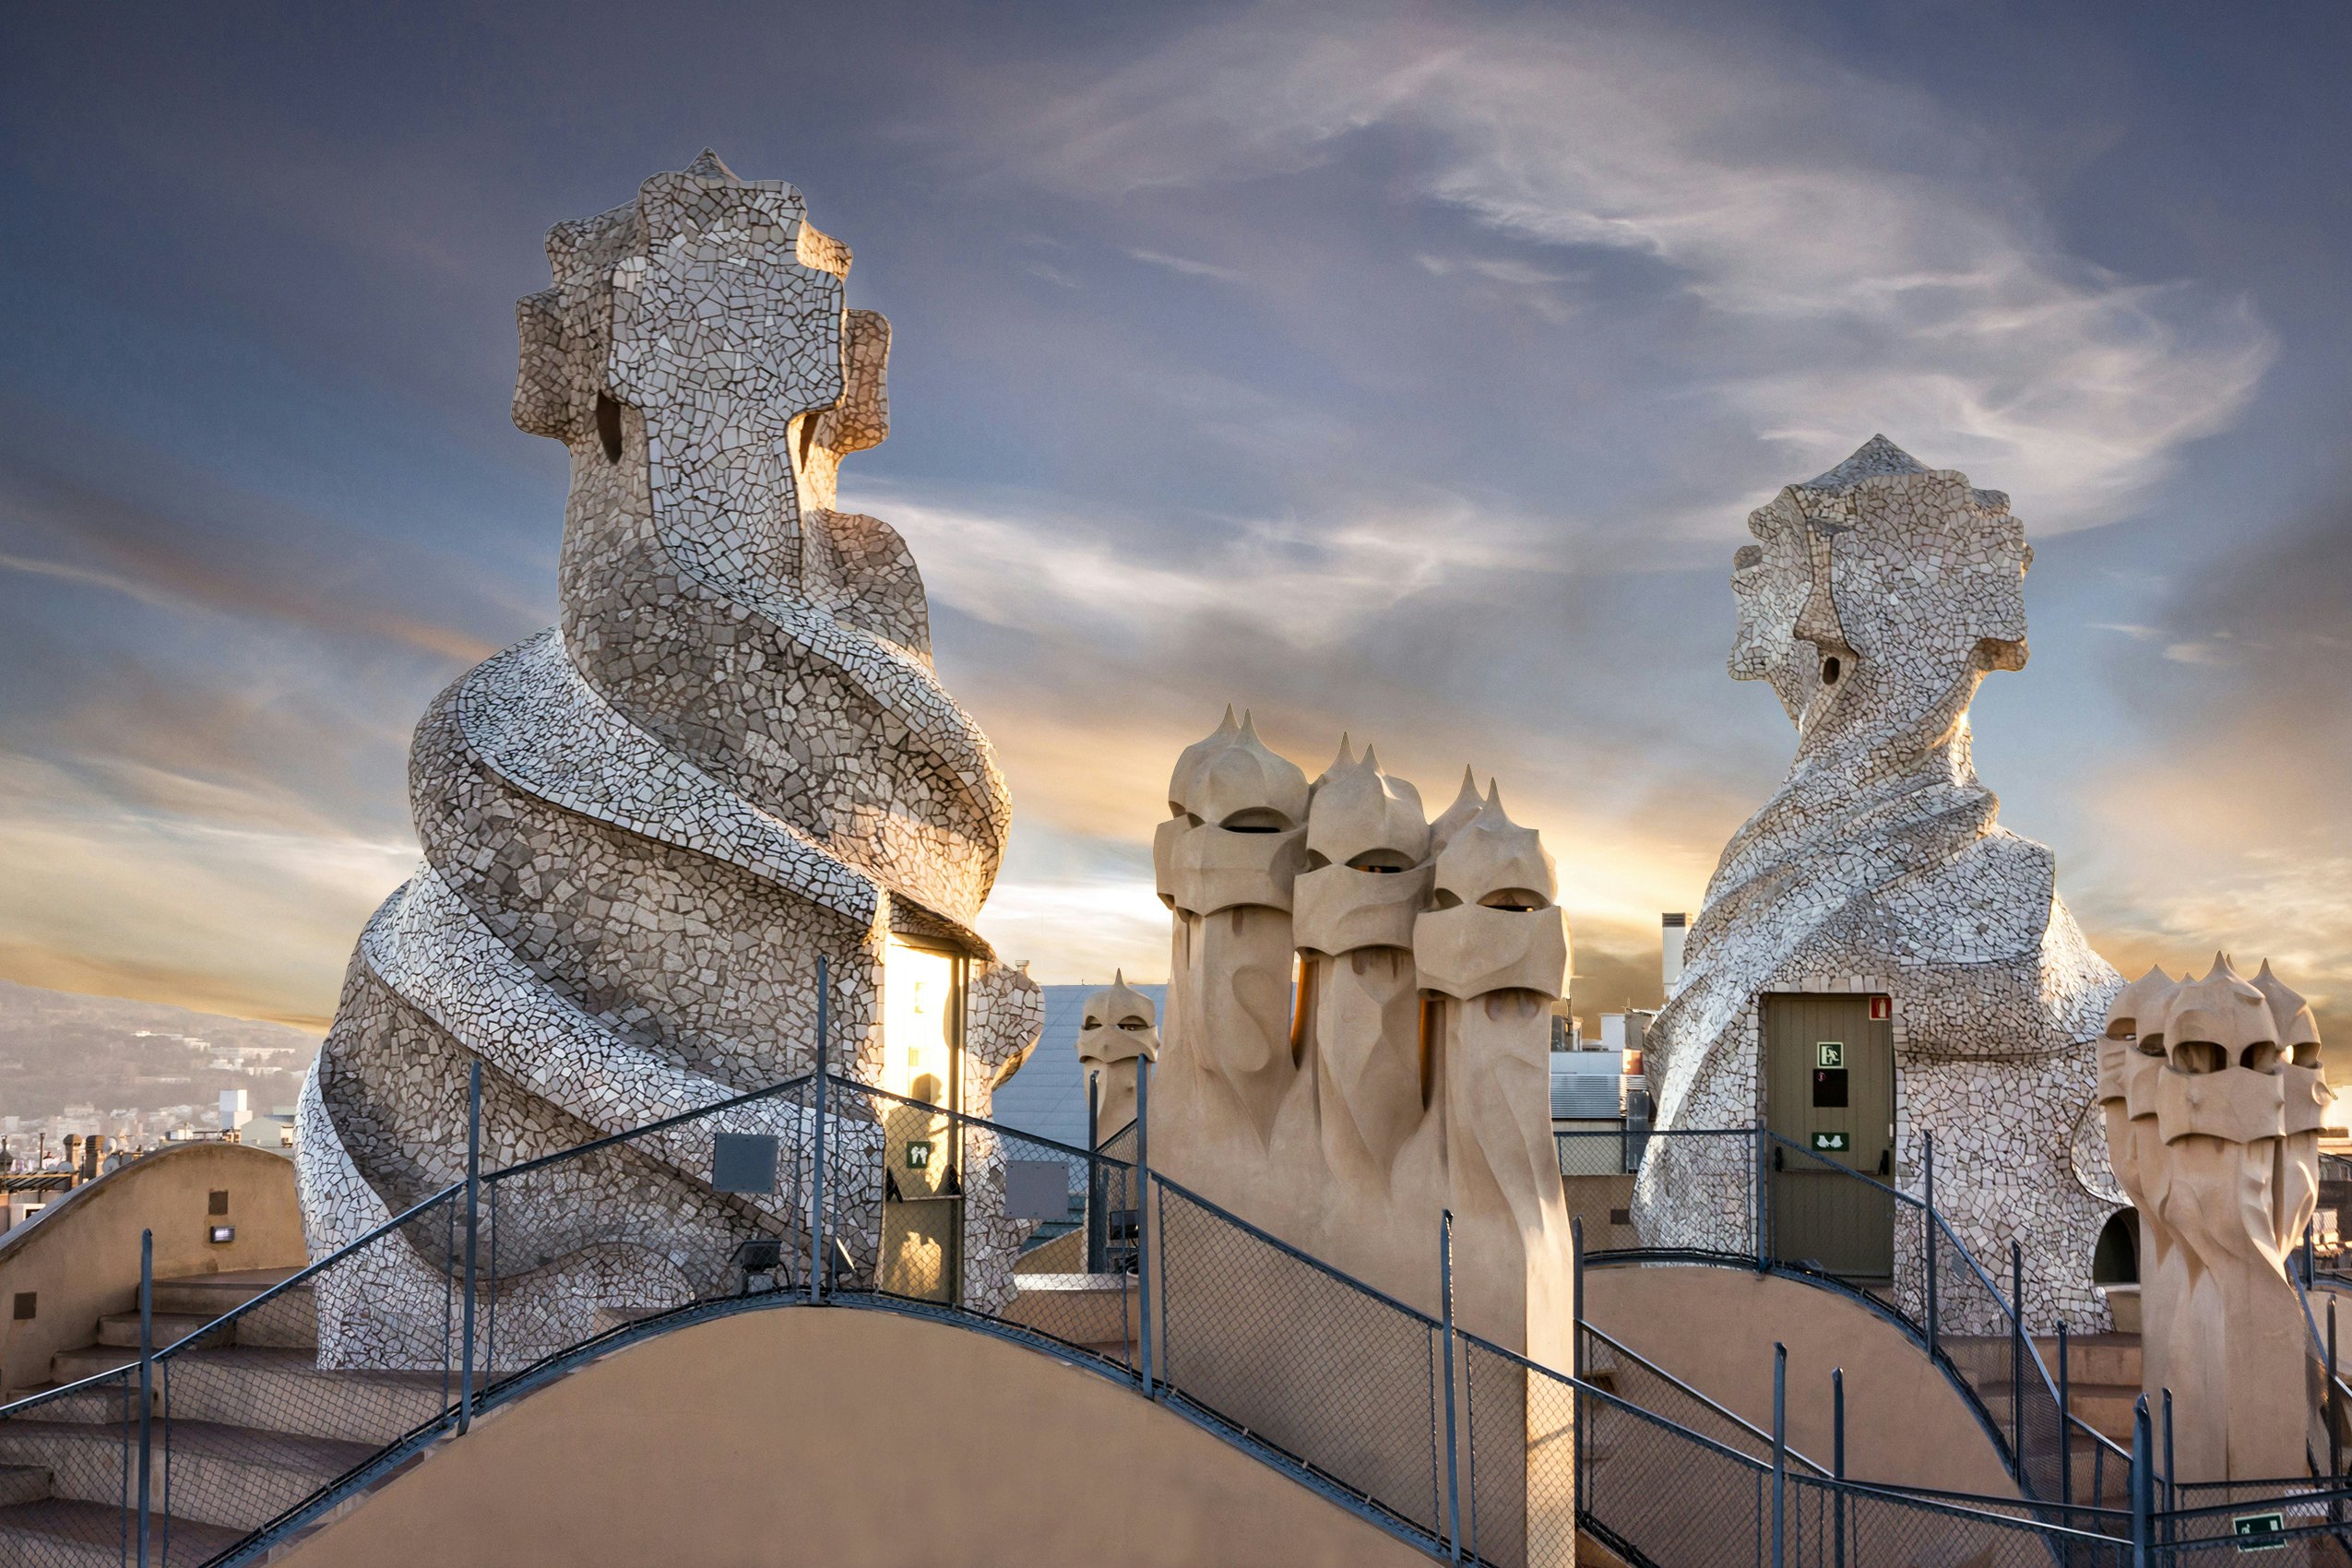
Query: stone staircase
x=245, y=1425
x=2103, y=1380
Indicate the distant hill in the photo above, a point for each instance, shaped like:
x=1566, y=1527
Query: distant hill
x=59, y=1048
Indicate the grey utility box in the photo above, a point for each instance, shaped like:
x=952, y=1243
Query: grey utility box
x=743, y=1162
x=1037, y=1189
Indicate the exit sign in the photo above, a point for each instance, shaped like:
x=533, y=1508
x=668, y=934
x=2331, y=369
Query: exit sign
x=1830, y=1053
x=2259, y=1532
x=1832, y=1142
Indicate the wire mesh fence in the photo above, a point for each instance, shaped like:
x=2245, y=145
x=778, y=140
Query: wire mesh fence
x=705, y=1206
x=1976, y=1327
x=1523, y=1457
x=251, y=1419
x=223, y=1423
x=1342, y=1381
x=1692, y=1193
x=1611, y=1367
x=1832, y=1524
x=926, y=1205
x=1749, y=1194
x=85, y=1434
x=2303, y=1519
x=829, y=1188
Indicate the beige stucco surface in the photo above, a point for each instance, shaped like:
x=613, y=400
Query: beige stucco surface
x=80, y=1257
x=1714, y=1327
x=842, y=1437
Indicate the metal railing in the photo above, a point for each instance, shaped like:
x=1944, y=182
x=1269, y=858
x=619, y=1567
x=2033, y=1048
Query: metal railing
x=1748, y=1195
x=826, y=1190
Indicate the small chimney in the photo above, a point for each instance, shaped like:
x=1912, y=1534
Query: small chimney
x=1671, y=930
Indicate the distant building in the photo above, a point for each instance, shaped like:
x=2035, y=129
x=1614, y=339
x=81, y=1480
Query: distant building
x=1599, y=1099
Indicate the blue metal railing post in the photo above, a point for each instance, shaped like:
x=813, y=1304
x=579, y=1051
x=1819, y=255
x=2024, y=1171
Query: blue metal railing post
x=1452, y=1467
x=2142, y=1460
x=1144, y=1229
x=1097, y=1223
x=2065, y=1427
x=1763, y=1199
x=1837, y=1459
x=147, y=1386
x=817, y=1146
x=473, y=1233
x=1576, y=1296
x=2017, y=1356
x=2171, y=1500
x=1926, y=1235
x=1780, y=1454
x=2335, y=1413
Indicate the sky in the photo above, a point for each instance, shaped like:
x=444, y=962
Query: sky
x=1406, y=370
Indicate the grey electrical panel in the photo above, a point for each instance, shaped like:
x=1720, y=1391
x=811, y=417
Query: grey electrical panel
x=1037, y=1189
x=743, y=1162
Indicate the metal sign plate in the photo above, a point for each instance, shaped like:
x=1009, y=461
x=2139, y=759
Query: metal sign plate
x=1830, y=1053
x=2259, y=1532
x=743, y=1162
x=1832, y=1142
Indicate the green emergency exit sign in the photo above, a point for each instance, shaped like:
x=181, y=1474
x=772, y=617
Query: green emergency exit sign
x=2259, y=1532
x=1832, y=1142
x=1830, y=1053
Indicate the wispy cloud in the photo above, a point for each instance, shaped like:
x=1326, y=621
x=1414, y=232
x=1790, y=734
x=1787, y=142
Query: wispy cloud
x=165, y=905
x=174, y=562
x=1864, y=263
x=1305, y=582
x=1187, y=266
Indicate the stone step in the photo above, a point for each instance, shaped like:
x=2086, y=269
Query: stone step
x=105, y=1404
x=22, y=1483
x=284, y=1391
x=287, y=1321
x=275, y=1389
x=213, y=1294
x=2105, y=1407
x=65, y=1533
x=2095, y=1358
x=120, y=1330
x=88, y=1361
x=236, y=1478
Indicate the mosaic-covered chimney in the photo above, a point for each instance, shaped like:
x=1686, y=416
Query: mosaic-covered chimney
x=642, y=827
x=1874, y=599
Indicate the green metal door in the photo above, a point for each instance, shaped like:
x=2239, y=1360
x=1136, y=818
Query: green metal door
x=1829, y=1095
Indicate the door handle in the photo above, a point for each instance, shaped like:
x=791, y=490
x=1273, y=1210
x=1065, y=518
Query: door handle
x=1776, y=1156
x=1886, y=1162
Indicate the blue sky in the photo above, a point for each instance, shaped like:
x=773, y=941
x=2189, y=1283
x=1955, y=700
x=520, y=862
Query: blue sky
x=1408, y=370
